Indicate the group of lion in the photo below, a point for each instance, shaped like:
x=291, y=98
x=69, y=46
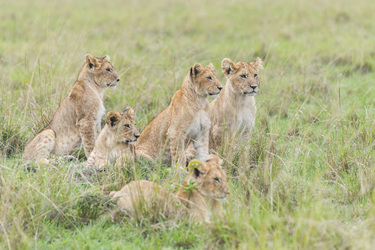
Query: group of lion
x=189, y=126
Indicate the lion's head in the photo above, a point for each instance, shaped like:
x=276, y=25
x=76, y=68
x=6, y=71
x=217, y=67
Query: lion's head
x=101, y=71
x=242, y=75
x=210, y=178
x=204, y=80
x=122, y=125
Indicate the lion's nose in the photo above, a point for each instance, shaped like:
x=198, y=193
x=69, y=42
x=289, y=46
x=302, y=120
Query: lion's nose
x=253, y=86
x=220, y=88
x=118, y=79
x=136, y=136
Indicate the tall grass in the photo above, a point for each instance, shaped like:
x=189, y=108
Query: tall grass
x=303, y=179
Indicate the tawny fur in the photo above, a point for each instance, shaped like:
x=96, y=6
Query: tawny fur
x=211, y=183
x=115, y=144
x=77, y=120
x=184, y=121
x=234, y=110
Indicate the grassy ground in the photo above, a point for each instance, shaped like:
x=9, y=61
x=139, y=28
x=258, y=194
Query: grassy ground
x=306, y=177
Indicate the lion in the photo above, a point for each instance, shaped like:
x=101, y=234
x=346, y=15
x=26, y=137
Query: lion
x=115, y=144
x=201, y=194
x=234, y=110
x=78, y=118
x=184, y=121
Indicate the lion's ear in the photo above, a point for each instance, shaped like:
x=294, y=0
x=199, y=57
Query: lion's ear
x=130, y=112
x=196, y=167
x=211, y=66
x=228, y=66
x=195, y=70
x=216, y=159
x=257, y=64
x=106, y=57
x=92, y=61
x=113, y=118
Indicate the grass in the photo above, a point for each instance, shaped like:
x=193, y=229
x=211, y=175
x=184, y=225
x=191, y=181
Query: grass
x=304, y=179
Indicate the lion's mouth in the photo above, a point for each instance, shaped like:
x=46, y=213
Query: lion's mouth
x=131, y=142
x=214, y=94
x=222, y=198
x=112, y=85
x=249, y=92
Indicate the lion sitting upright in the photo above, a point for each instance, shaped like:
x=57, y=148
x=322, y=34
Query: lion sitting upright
x=184, y=121
x=77, y=120
x=115, y=144
x=234, y=109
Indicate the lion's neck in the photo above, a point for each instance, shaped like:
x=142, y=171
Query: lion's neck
x=195, y=201
x=192, y=200
x=107, y=143
x=85, y=79
x=194, y=100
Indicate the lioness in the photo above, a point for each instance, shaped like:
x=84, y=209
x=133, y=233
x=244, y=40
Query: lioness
x=116, y=142
x=77, y=120
x=234, y=109
x=185, y=120
x=200, y=198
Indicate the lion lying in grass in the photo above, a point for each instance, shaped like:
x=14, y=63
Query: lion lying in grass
x=201, y=193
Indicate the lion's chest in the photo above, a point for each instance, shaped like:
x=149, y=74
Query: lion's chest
x=239, y=117
x=116, y=152
x=199, y=125
x=100, y=112
x=245, y=120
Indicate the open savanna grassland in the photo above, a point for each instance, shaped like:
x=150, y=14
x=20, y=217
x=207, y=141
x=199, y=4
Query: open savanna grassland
x=304, y=179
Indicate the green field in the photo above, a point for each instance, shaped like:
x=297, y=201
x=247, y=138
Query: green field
x=306, y=177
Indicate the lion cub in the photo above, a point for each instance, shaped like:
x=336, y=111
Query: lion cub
x=77, y=120
x=115, y=144
x=234, y=109
x=210, y=188
x=185, y=120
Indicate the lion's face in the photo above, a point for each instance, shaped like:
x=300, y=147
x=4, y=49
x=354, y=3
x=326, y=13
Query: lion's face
x=210, y=177
x=102, y=71
x=243, y=76
x=122, y=125
x=204, y=80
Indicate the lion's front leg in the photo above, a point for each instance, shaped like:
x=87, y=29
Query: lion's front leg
x=177, y=147
x=215, y=137
x=98, y=129
x=201, y=146
x=88, y=135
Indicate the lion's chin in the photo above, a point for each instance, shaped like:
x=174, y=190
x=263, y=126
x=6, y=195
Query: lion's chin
x=132, y=142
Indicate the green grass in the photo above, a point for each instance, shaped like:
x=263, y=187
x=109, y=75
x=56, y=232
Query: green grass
x=304, y=179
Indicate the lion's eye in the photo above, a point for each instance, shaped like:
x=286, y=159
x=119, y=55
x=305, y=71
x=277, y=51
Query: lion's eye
x=108, y=69
x=255, y=75
x=243, y=76
x=209, y=78
x=217, y=180
x=127, y=126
